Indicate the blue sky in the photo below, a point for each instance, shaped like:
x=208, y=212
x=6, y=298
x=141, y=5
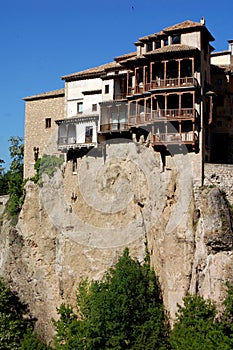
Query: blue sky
x=43, y=40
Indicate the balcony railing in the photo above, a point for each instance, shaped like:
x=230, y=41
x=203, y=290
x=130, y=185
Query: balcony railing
x=114, y=127
x=71, y=141
x=163, y=114
x=174, y=138
x=162, y=84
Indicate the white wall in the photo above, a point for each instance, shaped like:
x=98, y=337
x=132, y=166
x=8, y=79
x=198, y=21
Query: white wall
x=109, y=96
x=191, y=39
x=81, y=128
x=74, y=94
x=222, y=59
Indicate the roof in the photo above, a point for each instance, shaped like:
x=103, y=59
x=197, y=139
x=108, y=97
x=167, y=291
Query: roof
x=96, y=71
x=127, y=55
x=183, y=25
x=49, y=94
x=178, y=27
x=220, y=53
x=171, y=48
x=161, y=50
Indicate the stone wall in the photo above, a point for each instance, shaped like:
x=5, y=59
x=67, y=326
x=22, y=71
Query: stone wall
x=220, y=175
x=38, y=108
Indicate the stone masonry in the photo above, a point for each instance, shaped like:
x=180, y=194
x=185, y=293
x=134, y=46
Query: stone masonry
x=38, y=108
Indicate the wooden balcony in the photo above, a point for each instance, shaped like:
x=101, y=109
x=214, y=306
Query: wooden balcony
x=174, y=138
x=162, y=84
x=114, y=127
x=163, y=115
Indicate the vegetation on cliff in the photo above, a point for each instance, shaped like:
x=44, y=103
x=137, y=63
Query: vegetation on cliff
x=122, y=311
x=11, y=182
x=16, y=325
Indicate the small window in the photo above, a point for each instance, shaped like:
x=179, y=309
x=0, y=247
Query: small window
x=149, y=46
x=176, y=39
x=88, y=134
x=80, y=107
x=165, y=41
x=94, y=107
x=219, y=81
x=48, y=123
x=158, y=44
x=106, y=89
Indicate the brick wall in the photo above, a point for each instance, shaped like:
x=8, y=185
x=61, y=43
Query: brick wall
x=36, y=134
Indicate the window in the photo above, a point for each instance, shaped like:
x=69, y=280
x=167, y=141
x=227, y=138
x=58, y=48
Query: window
x=176, y=39
x=88, y=134
x=219, y=81
x=149, y=46
x=94, y=107
x=165, y=41
x=47, y=123
x=106, y=89
x=158, y=44
x=80, y=107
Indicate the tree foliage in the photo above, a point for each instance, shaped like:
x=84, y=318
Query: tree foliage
x=197, y=328
x=14, y=176
x=227, y=318
x=16, y=325
x=122, y=311
x=46, y=165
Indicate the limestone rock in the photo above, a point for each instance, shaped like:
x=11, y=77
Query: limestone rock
x=76, y=225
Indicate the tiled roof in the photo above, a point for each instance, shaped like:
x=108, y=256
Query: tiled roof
x=177, y=27
x=171, y=48
x=123, y=57
x=183, y=25
x=92, y=71
x=54, y=93
x=165, y=49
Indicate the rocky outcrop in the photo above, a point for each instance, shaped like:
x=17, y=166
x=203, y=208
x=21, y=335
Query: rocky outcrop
x=76, y=225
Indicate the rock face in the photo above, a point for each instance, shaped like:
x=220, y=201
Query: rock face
x=76, y=225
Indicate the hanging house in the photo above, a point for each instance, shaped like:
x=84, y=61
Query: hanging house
x=162, y=92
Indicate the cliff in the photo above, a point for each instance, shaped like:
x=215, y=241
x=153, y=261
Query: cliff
x=75, y=225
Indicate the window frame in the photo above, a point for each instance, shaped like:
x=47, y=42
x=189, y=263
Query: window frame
x=48, y=123
x=106, y=89
x=80, y=107
x=94, y=107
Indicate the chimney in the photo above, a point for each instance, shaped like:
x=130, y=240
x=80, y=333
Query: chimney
x=202, y=21
x=230, y=49
x=230, y=46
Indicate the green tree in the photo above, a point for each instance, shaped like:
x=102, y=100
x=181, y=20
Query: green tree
x=16, y=325
x=15, y=176
x=31, y=342
x=4, y=179
x=197, y=328
x=12, y=323
x=1, y=166
x=227, y=318
x=122, y=311
x=16, y=153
